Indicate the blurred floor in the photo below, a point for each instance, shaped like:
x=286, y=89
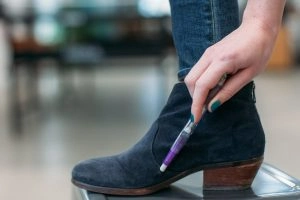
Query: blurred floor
x=51, y=118
x=277, y=101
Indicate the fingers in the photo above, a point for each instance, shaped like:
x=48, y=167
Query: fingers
x=198, y=70
x=208, y=80
x=231, y=87
x=241, y=59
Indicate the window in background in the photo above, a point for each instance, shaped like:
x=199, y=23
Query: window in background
x=46, y=28
x=154, y=8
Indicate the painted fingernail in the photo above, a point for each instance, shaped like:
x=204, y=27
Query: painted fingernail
x=215, y=105
x=192, y=118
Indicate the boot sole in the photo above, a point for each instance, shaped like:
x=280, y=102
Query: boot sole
x=223, y=176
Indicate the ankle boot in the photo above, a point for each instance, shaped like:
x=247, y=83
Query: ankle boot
x=228, y=145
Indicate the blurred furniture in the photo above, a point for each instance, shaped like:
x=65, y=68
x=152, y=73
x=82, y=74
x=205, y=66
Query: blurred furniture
x=282, y=55
x=118, y=34
x=83, y=35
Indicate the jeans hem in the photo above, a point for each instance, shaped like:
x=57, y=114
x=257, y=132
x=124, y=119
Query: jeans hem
x=182, y=73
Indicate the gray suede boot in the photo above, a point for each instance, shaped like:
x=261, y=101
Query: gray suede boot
x=228, y=145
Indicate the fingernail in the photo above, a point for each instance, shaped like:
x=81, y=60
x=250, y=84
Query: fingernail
x=215, y=105
x=192, y=118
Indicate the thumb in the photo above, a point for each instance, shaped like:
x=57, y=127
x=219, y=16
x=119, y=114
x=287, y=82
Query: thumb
x=230, y=88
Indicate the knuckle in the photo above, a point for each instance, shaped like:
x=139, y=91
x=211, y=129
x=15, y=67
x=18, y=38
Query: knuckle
x=188, y=81
x=198, y=84
x=231, y=56
x=228, y=93
x=201, y=85
x=209, y=51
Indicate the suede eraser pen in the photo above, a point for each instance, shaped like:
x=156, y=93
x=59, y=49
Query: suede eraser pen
x=189, y=128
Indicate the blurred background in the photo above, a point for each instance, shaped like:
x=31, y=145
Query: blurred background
x=86, y=78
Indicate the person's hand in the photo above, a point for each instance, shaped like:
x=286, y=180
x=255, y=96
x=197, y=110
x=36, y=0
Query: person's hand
x=242, y=54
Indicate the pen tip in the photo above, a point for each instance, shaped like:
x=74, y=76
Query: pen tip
x=163, y=168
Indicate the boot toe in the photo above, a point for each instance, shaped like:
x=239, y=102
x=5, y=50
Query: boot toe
x=101, y=172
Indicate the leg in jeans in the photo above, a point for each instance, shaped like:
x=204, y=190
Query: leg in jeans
x=197, y=24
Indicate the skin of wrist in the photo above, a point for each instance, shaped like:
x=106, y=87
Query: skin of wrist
x=263, y=37
x=271, y=30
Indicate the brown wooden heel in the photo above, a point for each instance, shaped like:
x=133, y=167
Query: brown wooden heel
x=231, y=178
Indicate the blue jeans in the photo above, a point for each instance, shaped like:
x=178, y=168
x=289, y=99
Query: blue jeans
x=198, y=24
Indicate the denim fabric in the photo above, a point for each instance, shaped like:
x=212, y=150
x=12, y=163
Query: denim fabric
x=198, y=24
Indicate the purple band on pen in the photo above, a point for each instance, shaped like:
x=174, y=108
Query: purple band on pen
x=189, y=128
x=178, y=145
x=171, y=155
